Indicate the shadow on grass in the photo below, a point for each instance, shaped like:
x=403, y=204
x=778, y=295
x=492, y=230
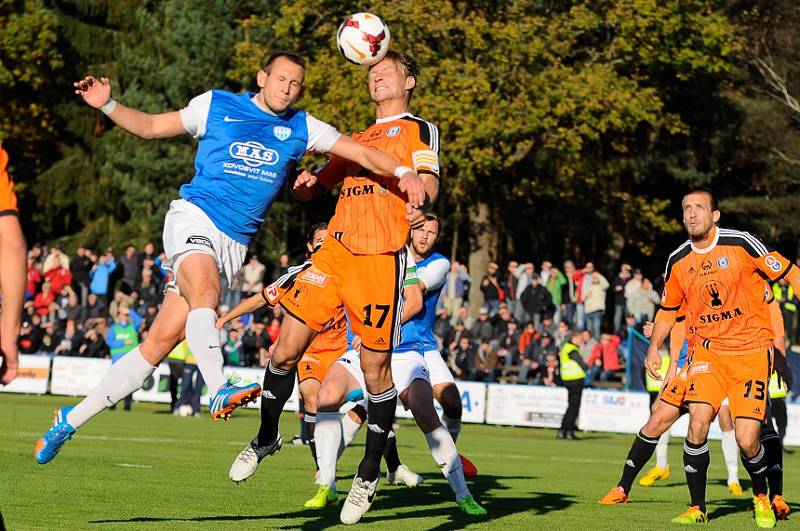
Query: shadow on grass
x=393, y=498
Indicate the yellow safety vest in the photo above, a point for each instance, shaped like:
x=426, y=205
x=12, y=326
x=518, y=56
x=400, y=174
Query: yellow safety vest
x=570, y=370
x=786, y=302
x=653, y=385
x=777, y=387
x=181, y=352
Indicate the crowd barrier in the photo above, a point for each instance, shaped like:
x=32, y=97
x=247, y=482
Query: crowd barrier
x=500, y=404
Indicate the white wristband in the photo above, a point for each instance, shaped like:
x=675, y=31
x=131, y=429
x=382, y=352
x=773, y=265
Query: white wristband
x=109, y=106
x=402, y=170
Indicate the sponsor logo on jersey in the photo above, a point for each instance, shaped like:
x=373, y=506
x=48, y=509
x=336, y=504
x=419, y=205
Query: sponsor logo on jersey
x=773, y=263
x=199, y=240
x=229, y=119
x=723, y=262
x=393, y=131
x=727, y=315
x=691, y=269
x=254, y=154
x=282, y=132
x=361, y=189
x=697, y=368
x=315, y=277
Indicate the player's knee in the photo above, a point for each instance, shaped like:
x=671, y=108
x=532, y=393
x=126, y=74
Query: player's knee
x=284, y=357
x=451, y=402
x=327, y=400
x=698, y=431
x=748, y=443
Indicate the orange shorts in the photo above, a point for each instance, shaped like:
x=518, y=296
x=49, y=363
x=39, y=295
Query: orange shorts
x=315, y=365
x=369, y=286
x=675, y=393
x=744, y=379
x=8, y=198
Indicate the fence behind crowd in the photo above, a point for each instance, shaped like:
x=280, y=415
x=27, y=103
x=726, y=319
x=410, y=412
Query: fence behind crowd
x=500, y=404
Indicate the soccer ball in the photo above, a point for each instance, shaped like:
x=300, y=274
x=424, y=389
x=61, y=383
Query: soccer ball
x=363, y=39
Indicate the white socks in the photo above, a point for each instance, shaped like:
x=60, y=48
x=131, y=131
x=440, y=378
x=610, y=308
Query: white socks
x=731, y=452
x=203, y=339
x=123, y=378
x=444, y=452
x=350, y=429
x=328, y=438
x=662, y=451
x=453, y=426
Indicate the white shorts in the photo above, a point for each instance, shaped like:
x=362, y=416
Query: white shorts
x=439, y=372
x=188, y=230
x=406, y=367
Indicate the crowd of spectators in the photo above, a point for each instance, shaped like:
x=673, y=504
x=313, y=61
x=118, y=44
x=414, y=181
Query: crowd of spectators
x=526, y=312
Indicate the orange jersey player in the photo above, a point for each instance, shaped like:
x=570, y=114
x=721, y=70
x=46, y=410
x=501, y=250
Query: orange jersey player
x=12, y=273
x=717, y=278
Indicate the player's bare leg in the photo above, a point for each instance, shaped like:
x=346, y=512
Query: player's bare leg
x=644, y=444
x=730, y=450
x=123, y=378
x=12, y=287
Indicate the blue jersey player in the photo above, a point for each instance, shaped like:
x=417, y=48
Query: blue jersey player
x=249, y=145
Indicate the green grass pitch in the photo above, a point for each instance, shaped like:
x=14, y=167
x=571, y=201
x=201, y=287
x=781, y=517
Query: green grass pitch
x=149, y=470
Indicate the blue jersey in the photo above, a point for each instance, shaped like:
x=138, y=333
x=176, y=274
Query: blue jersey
x=684, y=353
x=243, y=160
x=417, y=333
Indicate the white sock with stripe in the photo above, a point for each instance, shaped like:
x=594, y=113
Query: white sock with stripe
x=123, y=378
x=328, y=437
x=730, y=449
x=203, y=340
x=662, y=451
x=444, y=452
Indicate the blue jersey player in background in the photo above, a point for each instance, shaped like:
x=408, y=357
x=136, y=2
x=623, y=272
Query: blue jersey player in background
x=249, y=145
x=418, y=335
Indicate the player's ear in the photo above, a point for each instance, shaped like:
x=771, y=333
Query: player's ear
x=261, y=78
x=715, y=216
x=411, y=83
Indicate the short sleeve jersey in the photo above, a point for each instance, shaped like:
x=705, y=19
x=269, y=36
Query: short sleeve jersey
x=8, y=198
x=417, y=333
x=245, y=156
x=721, y=288
x=370, y=215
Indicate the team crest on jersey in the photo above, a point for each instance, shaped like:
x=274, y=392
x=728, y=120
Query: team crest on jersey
x=282, y=132
x=393, y=131
x=253, y=154
x=713, y=294
x=773, y=263
x=723, y=262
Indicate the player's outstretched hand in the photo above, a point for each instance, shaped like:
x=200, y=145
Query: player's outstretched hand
x=653, y=363
x=221, y=321
x=647, y=329
x=414, y=188
x=95, y=92
x=305, y=179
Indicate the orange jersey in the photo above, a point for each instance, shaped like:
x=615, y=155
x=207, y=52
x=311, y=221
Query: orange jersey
x=8, y=199
x=370, y=215
x=721, y=288
x=333, y=338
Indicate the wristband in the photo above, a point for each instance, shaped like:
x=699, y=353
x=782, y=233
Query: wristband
x=402, y=170
x=109, y=106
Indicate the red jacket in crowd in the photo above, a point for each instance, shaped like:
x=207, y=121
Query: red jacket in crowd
x=607, y=352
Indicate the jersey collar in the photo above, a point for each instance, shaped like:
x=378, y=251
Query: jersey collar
x=391, y=118
x=710, y=247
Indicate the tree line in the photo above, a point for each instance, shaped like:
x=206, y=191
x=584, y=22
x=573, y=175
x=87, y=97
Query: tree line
x=567, y=128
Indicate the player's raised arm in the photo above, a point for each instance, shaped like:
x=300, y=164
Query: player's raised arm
x=248, y=305
x=380, y=163
x=97, y=93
